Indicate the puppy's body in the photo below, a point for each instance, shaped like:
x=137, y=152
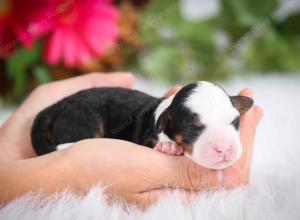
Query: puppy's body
x=201, y=120
x=97, y=113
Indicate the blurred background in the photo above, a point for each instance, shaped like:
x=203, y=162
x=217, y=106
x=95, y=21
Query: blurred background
x=170, y=41
x=233, y=42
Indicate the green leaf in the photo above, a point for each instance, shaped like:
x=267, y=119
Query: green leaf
x=163, y=62
x=41, y=74
x=289, y=27
x=238, y=16
x=18, y=64
x=271, y=52
x=178, y=49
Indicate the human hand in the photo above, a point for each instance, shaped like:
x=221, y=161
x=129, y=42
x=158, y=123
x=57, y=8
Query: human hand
x=15, y=132
x=239, y=172
x=52, y=172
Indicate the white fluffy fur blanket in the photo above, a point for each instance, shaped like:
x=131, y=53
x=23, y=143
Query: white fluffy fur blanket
x=274, y=191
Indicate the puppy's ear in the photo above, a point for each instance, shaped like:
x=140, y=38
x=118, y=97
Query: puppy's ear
x=241, y=103
x=162, y=121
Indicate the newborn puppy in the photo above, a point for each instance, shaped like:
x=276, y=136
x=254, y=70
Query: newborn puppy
x=201, y=121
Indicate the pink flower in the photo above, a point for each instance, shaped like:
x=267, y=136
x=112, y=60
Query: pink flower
x=75, y=31
x=80, y=31
x=20, y=22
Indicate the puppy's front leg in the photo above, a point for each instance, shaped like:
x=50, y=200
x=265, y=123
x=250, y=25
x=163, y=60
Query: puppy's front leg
x=169, y=147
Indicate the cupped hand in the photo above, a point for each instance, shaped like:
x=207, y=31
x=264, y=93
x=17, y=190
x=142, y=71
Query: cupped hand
x=239, y=173
x=15, y=132
x=140, y=175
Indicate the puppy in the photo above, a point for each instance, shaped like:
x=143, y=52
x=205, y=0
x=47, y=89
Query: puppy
x=201, y=121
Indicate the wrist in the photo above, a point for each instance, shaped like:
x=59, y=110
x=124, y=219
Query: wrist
x=81, y=170
x=71, y=165
x=46, y=174
x=6, y=148
x=12, y=145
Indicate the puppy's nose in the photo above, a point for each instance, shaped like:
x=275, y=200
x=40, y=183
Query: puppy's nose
x=223, y=150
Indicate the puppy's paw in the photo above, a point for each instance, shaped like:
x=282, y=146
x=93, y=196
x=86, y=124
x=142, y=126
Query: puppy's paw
x=63, y=146
x=169, y=147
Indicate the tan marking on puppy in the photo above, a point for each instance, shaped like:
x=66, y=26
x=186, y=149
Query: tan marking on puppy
x=154, y=141
x=49, y=134
x=178, y=138
x=99, y=131
x=187, y=147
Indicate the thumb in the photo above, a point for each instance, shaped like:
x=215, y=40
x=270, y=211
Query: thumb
x=172, y=91
x=177, y=173
x=181, y=172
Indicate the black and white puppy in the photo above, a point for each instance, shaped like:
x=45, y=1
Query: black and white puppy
x=201, y=121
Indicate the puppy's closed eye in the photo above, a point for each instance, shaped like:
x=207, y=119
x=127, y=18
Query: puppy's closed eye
x=236, y=123
x=197, y=123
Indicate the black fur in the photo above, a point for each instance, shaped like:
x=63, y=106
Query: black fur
x=236, y=123
x=101, y=112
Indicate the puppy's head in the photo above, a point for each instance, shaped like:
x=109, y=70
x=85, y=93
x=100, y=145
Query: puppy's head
x=205, y=121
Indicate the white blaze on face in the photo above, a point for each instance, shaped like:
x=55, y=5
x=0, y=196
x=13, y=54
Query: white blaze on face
x=219, y=144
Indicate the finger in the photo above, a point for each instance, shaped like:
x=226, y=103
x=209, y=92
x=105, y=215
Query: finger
x=70, y=86
x=57, y=90
x=164, y=170
x=121, y=79
x=249, y=121
x=181, y=172
x=117, y=79
x=93, y=80
x=252, y=117
x=173, y=91
x=239, y=172
x=145, y=199
x=248, y=126
x=246, y=92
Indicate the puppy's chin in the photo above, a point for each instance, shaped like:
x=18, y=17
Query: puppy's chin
x=212, y=164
